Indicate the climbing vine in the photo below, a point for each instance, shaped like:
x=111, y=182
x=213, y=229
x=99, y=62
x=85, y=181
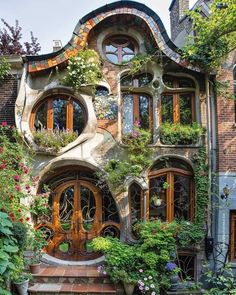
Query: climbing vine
x=4, y=68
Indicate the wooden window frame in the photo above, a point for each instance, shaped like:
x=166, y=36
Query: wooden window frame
x=69, y=111
x=136, y=116
x=232, y=235
x=170, y=173
x=176, y=105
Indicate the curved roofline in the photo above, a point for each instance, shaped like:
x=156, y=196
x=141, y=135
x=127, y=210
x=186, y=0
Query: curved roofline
x=105, y=8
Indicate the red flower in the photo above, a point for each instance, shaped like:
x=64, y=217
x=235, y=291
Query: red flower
x=27, y=219
x=4, y=124
x=3, y=166
x=3, y=209
x=19, y=210
x=17, y=187
x=26, y=170
x=1, y=149
x=21, y=219
x=17, y=177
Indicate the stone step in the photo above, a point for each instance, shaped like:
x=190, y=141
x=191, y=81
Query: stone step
x=70, y=275
x=72, y=289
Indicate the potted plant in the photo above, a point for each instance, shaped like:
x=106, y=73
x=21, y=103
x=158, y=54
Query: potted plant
x=37, y=243
x=121, y=261
x=173, y=271
x=21, y=282
x=156, y=200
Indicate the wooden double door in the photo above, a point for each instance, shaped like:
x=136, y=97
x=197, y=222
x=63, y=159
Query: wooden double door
x=76, y=220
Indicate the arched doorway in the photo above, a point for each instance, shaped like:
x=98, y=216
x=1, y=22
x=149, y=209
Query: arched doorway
x=78, y=211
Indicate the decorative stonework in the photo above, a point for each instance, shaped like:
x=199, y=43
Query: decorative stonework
x=80, y=35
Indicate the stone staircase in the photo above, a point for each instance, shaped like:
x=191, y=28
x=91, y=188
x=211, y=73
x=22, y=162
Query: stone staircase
x=65, y=280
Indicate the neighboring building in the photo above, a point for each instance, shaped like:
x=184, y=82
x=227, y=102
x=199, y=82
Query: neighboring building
x=223, y=122
x=80, y=210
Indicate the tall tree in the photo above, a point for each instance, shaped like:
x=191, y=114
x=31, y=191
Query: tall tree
x=10, y=41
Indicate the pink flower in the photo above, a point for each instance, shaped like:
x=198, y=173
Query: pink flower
x=17, y=177
x=26, y=170
x=4, y=124
x=3, y=166
x=141, y=270
x=17, y=187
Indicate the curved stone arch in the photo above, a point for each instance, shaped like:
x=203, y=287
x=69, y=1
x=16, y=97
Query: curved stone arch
x=85, y=100
x=87, y=23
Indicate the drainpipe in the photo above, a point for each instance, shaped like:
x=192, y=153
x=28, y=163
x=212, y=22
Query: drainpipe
x=209, y=150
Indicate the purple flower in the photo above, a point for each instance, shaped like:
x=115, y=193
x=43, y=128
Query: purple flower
x=170, y=266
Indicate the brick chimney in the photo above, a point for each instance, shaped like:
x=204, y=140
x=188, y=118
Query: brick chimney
x=177, y=13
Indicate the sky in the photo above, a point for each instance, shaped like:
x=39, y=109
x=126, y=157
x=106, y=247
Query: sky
x=56, y=19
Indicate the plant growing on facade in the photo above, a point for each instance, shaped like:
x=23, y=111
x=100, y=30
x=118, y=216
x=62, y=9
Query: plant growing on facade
x=178, y=134
x=214, y=38
x=4, y=68
x=53, y=140
x=84, y=69
x=36, y=243
x=138, y=62
x=138, y=157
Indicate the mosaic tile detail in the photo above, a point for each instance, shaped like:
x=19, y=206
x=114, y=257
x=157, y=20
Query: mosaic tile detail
x=81, y=34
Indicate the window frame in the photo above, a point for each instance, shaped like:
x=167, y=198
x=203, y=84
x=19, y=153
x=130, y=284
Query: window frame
x=136, y=108
x=232, y=235
x=170, y=173
x=176, y=91
x=119, y=52
x=69, y=111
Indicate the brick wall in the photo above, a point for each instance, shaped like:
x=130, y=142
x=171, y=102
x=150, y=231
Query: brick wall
x=8, y=94
x=226, y=128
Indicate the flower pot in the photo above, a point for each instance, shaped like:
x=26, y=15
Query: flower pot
x=174, y=280
x=35, y=268
x=129, y=288
x=22, y=288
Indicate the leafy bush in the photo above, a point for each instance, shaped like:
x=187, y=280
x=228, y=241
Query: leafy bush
x=83, y=69
x=54, y=140
x=19, y=231
x=180, y=134
x=189, y=233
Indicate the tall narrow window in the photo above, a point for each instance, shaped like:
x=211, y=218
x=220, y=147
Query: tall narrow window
x=177, y=106
x=232, y=254
x=171, y=191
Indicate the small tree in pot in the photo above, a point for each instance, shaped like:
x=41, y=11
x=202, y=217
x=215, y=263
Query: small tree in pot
x=36, y=243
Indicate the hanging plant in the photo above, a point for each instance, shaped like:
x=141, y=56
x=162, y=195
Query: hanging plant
x=83, y=69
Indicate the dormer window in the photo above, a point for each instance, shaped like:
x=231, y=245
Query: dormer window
x=120, y=49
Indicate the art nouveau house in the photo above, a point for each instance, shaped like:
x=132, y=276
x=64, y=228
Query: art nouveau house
x=80, y=209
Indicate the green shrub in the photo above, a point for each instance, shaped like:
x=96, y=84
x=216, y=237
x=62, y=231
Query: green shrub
x=173, y=134
x=20, y=231
x=53, y=140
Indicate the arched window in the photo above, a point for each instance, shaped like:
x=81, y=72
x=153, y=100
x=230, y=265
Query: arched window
x=59, y=112
x=177, y=105
x=120, y=49
x=171, y=190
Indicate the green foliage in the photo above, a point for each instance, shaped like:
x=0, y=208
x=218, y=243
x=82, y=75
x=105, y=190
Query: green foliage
x=14, y=173
x=83, y=69
x=8, y=251
x=138, y=62
x=221, y=283
x=138, y=157
x=215, y=35
x=36, y=242
x=20, y=231
x=189, y=233
x=201, y=179
x=53, y=140
x=4, y=68
x=222, y=88
x=173, y=134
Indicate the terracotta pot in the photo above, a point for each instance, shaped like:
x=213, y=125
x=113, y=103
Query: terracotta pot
x=22, y=288
x=35, y=268
x=129, y=288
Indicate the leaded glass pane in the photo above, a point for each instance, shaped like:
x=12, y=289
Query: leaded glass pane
x=182, y=187
x=88, y=207
x=185, y=106
x=167, y=108
x=66, y=204
x=144, y=111
x=59, y=114
x=157, y=198
x=78, y=118
x=40, y=121
x=128, y=120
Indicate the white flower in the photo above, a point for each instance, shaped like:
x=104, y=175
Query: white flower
x=145, y=279
x=152, y=286
x=153, y=293
x=146, y=288
x=150, y=277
